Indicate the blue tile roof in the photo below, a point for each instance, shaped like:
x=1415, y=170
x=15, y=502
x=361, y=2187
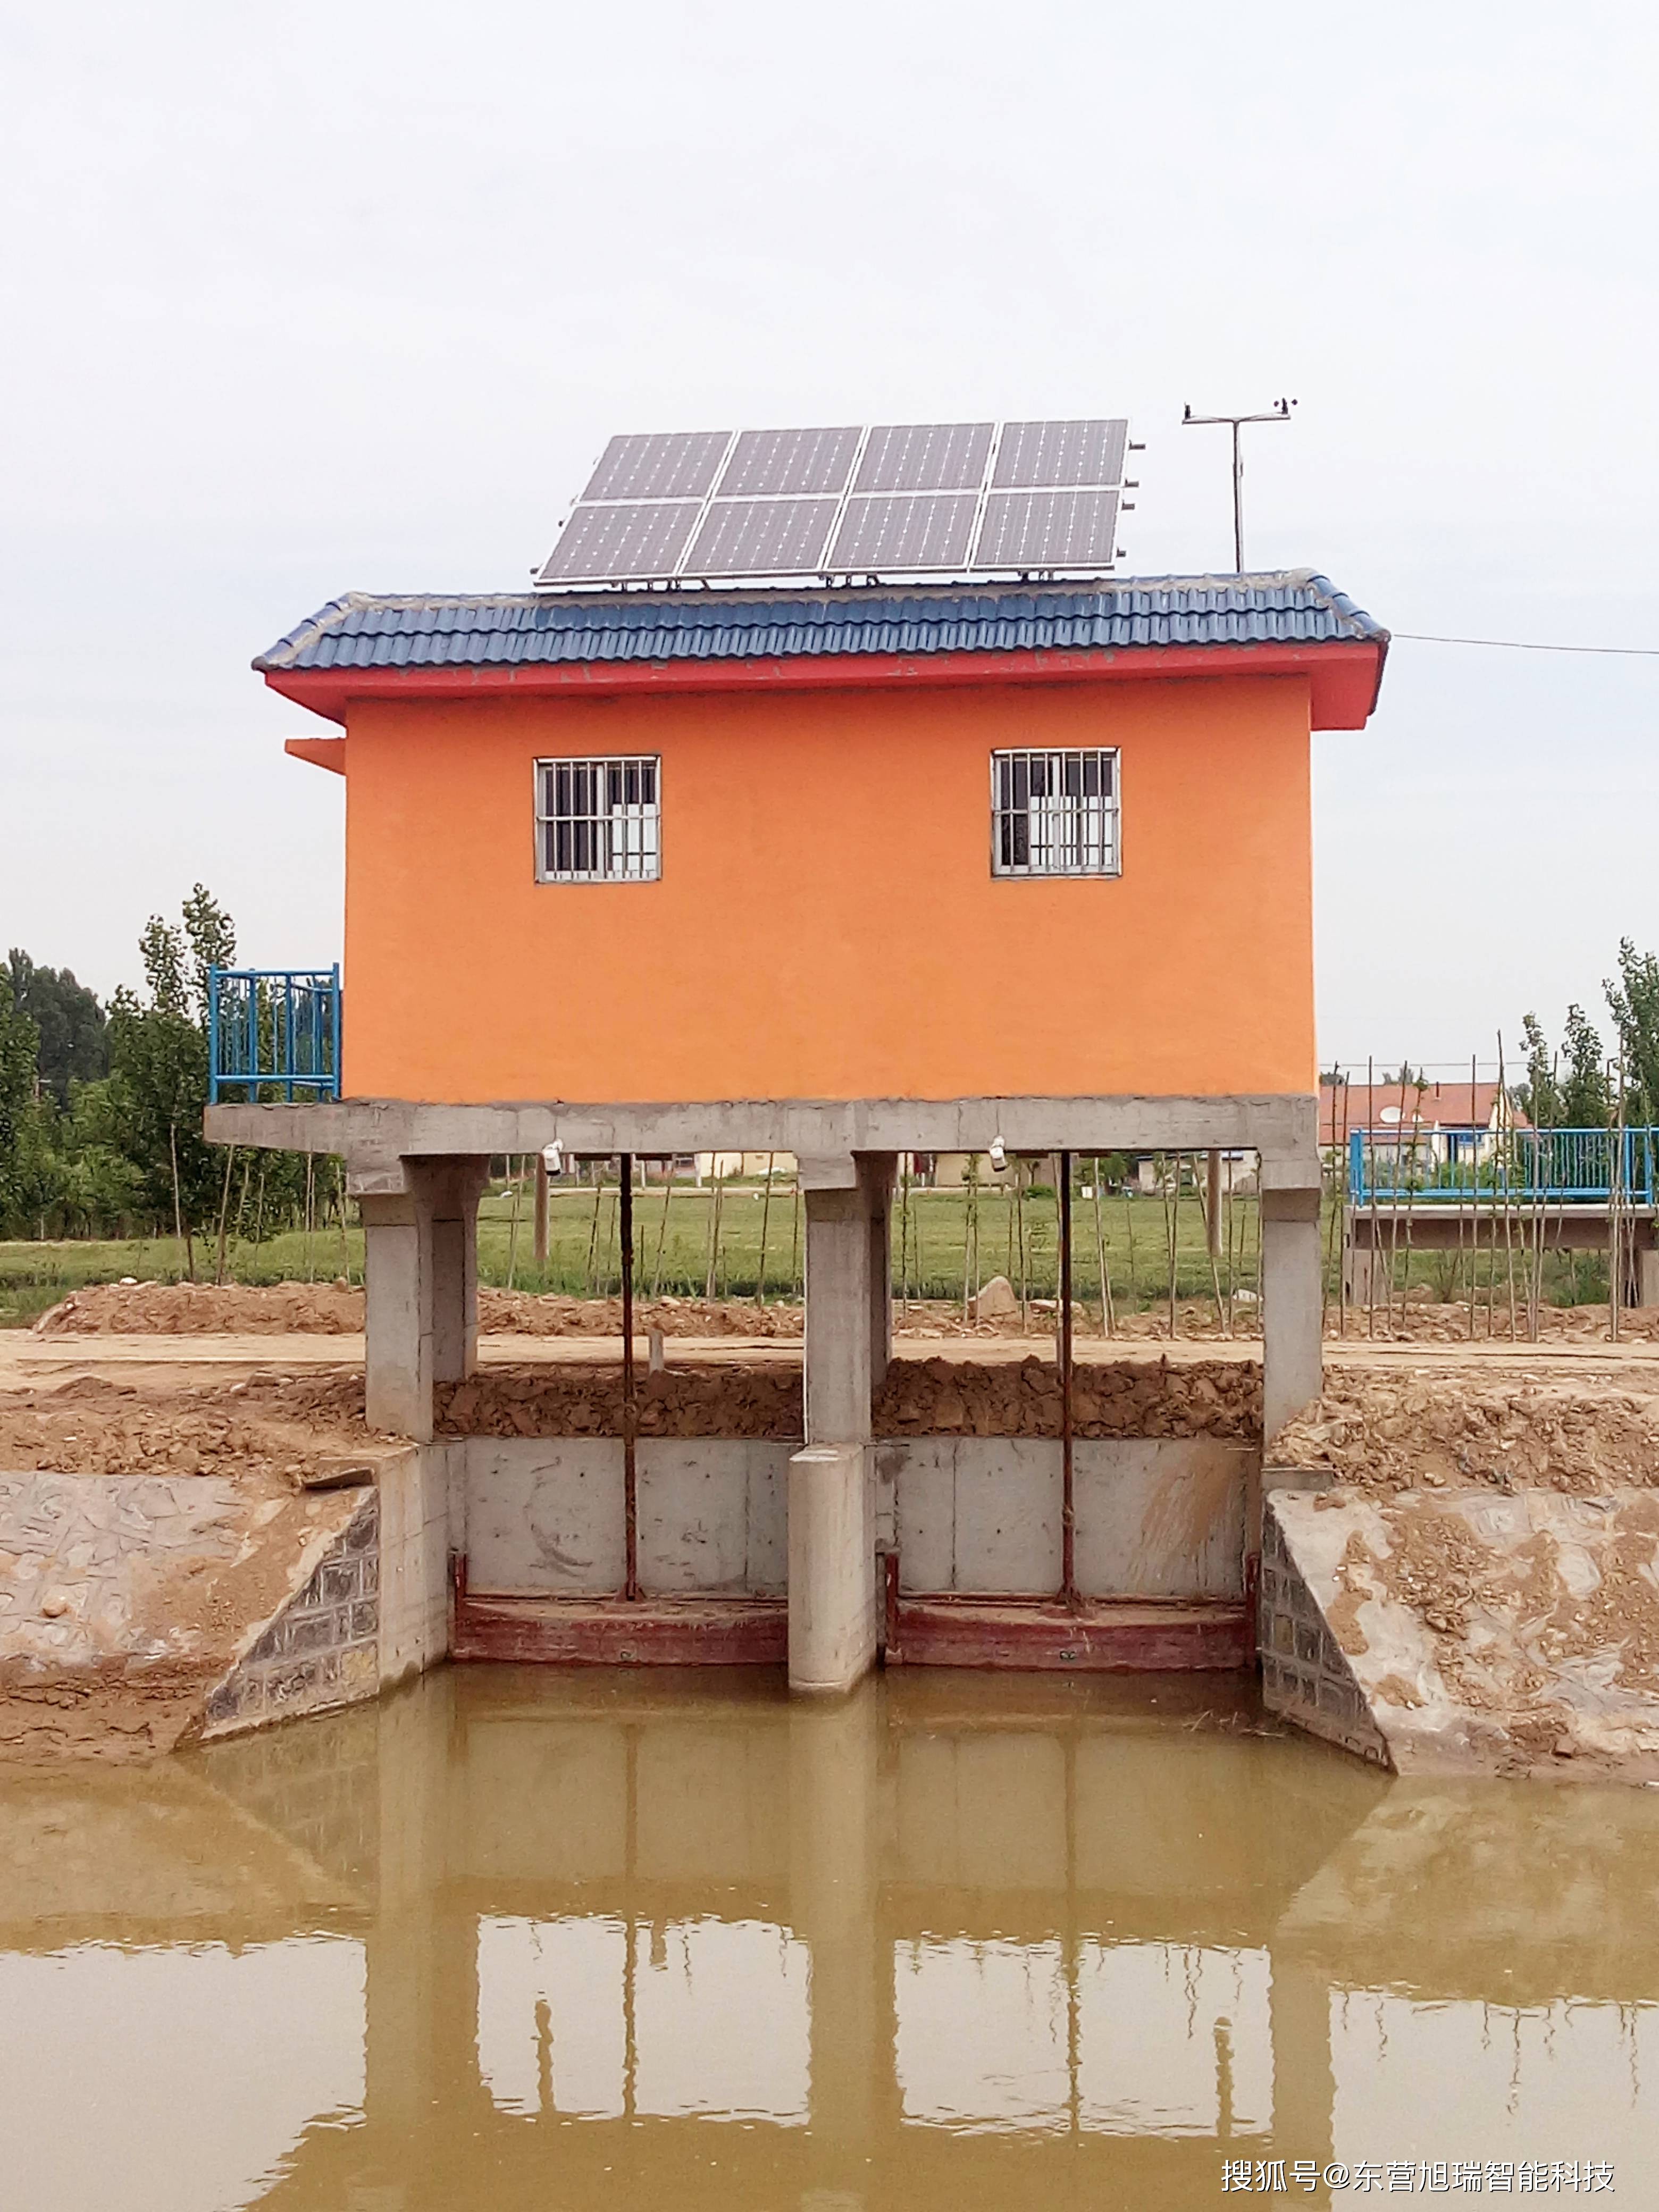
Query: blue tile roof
x=440, y=630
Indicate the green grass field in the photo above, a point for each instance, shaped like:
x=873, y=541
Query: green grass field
x=677, y=1242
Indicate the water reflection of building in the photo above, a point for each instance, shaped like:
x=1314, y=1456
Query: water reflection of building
x=648, y=1943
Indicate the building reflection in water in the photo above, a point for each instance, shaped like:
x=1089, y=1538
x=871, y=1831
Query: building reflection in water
x=515, y=1940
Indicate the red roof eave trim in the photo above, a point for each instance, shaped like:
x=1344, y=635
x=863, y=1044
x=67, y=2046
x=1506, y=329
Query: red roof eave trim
x=1344, y=677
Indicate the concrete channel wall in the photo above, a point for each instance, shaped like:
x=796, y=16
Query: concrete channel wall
x=1163, y=1517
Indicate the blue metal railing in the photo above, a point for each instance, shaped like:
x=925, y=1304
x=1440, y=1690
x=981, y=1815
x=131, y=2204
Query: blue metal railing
x=274, y=1029
x=1547, y=1167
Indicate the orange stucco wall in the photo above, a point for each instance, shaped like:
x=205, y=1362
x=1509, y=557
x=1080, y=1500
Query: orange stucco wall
x=826, y=925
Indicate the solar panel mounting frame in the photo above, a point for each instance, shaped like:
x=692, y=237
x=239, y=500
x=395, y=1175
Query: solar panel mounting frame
x=720, y=497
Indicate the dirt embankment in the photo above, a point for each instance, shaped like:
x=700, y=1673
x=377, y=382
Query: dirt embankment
x=270, y=1427
x=334, y=1310
x=1459, y=1431
x=920, y=1398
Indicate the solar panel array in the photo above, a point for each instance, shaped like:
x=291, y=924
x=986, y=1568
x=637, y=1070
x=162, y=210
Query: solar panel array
x=896, y=500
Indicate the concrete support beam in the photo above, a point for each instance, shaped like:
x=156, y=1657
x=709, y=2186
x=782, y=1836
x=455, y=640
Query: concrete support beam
x=832, y=1587
x=839, y=1323
x=1283, y=1128
x=421, y=1277
x=1292, y=1358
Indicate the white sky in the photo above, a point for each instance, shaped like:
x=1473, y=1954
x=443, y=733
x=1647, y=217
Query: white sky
x=308, y=297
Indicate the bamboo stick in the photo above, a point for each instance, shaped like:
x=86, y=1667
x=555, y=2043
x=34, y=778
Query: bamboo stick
x=662, y=1232
x=718, y=1182
x=1171, y=1183
x=766, y=1208
x=224, y=1208
x=1102, y=1266
x=513, y=1175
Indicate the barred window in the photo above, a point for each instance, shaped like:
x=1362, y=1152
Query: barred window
x=598, y=821
x=1054, y=814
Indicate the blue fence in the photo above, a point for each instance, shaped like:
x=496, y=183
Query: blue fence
x=1531, y=1167
x=274, y=1029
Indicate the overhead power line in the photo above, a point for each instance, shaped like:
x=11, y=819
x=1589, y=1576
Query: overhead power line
x=1527, y=645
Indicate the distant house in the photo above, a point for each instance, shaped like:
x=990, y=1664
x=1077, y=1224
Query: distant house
x=1441, y=1123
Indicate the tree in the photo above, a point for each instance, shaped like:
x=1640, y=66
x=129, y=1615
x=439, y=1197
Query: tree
x=159, y=1059
x=73, y=1027
x=1634, y=1001
x=1541, y=1095
x=1585, y=1102
x=1568, y=1090
x=19, y=1045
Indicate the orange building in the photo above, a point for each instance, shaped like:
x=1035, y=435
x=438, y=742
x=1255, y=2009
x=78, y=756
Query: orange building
x=844, y=873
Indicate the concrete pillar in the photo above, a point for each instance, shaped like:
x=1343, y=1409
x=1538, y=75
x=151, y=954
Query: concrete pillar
x=832, y=1583
x=447, y=1193
x=876, y=1171
x=397, y=1317
x=840, y=1244
x=832, y=1538
x=420, y=1276
x=1292, y=1358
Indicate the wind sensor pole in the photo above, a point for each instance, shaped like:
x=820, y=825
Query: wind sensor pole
x=1279, y=412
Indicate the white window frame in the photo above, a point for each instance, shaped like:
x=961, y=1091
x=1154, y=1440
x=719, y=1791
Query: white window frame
x=620, y=838
x=1066, y=832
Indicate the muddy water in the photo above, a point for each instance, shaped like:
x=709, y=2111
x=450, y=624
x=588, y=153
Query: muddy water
x=515, y=1940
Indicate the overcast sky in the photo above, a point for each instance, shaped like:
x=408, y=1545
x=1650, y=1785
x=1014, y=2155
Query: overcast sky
x=303, y=298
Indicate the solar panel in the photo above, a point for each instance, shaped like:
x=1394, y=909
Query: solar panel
x=924, y=457
x=906, y=531
x=613, y=545
x=1037, y=455
x=682, y=465
x=898, y=501
x=1047, y=530
x=790, y=462
x=763, y=537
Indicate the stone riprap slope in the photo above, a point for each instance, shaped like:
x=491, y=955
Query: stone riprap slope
x=1482, y=1632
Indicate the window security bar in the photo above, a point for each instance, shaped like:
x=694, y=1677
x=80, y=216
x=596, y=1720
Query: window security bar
x=1055, y=813
x=273, y=1029
x=598, y=821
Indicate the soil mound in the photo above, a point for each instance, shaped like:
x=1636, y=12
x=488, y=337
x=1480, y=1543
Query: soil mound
x=925, y=1397
x=205, y=1308
x=1386, y=1433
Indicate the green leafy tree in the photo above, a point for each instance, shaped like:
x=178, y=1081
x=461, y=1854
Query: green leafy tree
x=19, y=1045
x=159, y=1062
x=1585, y=1103
x=1539, y=1095
x=1634, y=1001
x=1568, y=1090
x=73, y=1027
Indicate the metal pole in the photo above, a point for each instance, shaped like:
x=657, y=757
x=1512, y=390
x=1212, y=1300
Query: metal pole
x=1068, y=1510
x=541, y=1211
x=1279, y=412
x=630, y=1487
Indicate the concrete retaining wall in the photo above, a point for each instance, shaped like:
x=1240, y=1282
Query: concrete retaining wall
x=1159, y=1517
x=374, y=1609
